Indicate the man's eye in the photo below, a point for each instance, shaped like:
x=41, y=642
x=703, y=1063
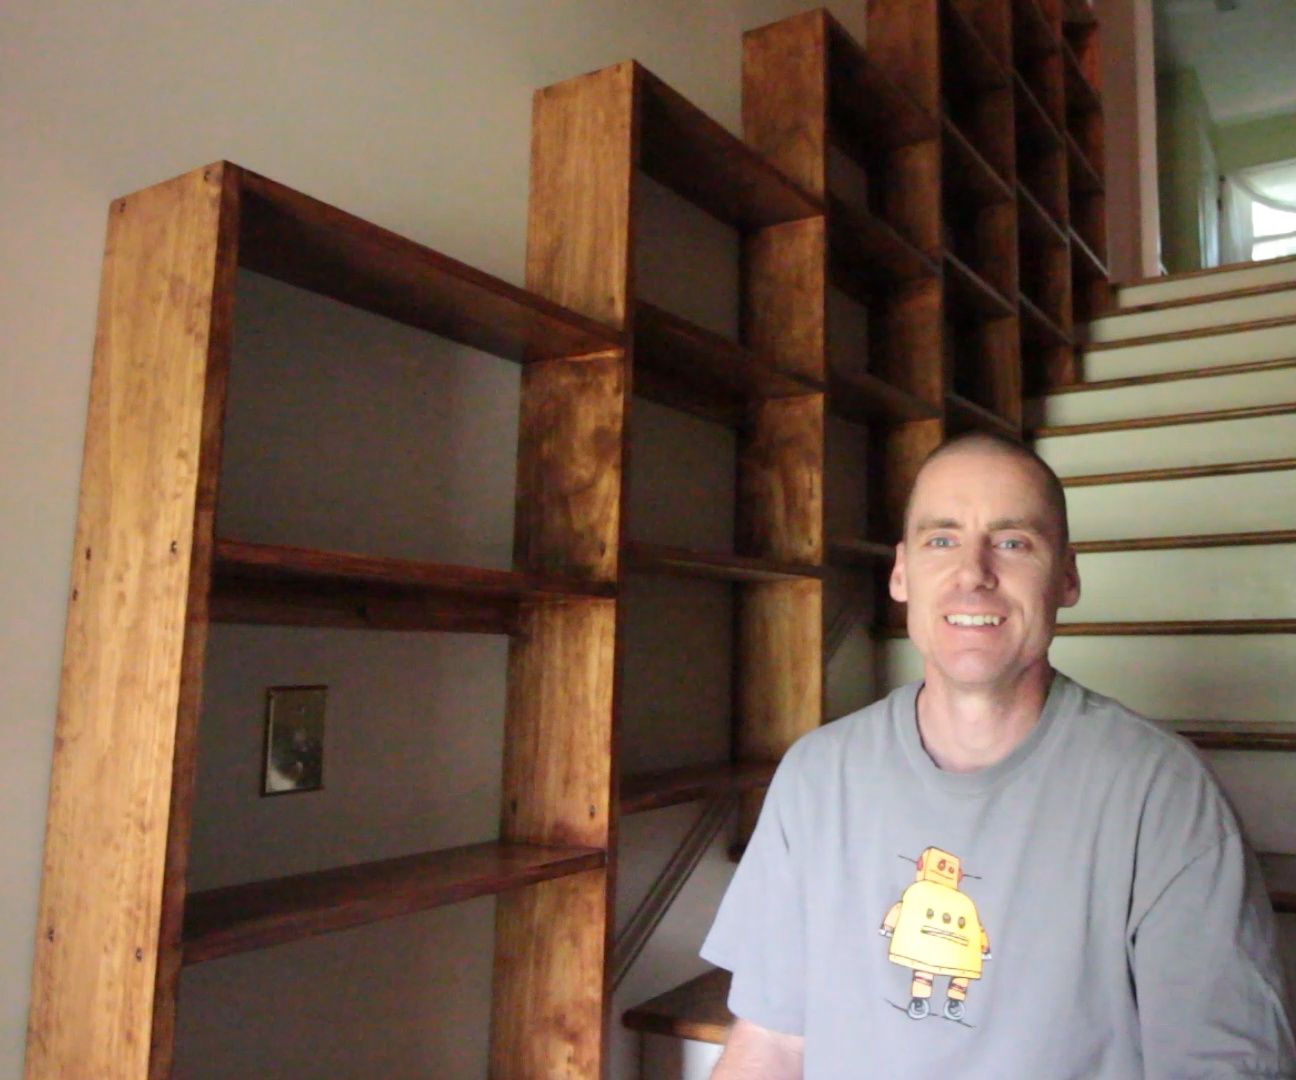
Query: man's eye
x=941, y=541
x=1012, y=544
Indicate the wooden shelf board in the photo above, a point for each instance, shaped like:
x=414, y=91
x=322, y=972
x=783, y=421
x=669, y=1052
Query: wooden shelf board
x=1036, y=222
x=1085, y=260
x=864, y=398
x=868, y=253
x=965, y=167
x=1230, y=735
x=279, y=585
x=1082, y=175
x=974, y=415
x=1081, y=95
x=1178, y=627
x=1174, y=543
x=850, y=551
x=697, y=1010
x=1181, y=472
x=1038, y=126
x=239, y=918
x=1031, y=29
x=965, y=49
x=1038, y=328
x=866, y=105
x=969, y=290
x=685, y=366
x=691, y=783
x=644, y=558
x=314, y=246
x=707, y=164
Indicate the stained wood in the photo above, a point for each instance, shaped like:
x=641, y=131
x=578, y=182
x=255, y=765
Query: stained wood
x=904, y=44
x=966, y=169
x=570, y=462
x=780, y=482
x=1033, y=31
x=691, y=783
x=868, y=252
x=1138, y=423
x=1082, y=95
x=318, y=247
x=584, y=145
x=1199, y=332
x=549, y=997
x=965, y=415
x=1183, y=472
x=644, y=558
x=1083, y=175
x=1207, y=272
x=1192, y=627
x=967, y=290
x=262, y=914
x=695, y=156
x=965, y=51
x=845, y=551
x=116, y=833
x=696, y=1010
x=1226, y=735
x=1038, y=328
x=1202, y=540
x=878, y=97
x=862, y=397
x=1175, y=376
x=1036, y=222
x=784, y=310
x=687, y=367
x=1085, y=260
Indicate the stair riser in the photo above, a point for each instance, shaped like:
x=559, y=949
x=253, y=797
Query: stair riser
x=1164, y=399
x=1188, y=677
x=1236, y=347
x=1197, y=583
x=1169, y=447
x=1250, y=502
x=1158, y=292
x=1194, y=316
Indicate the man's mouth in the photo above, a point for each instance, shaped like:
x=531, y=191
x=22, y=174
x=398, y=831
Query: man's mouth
x=973, y=620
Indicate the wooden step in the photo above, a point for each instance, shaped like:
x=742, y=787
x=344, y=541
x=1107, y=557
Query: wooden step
x=1081, y=95
x=311, y=245
x=1281, y=322
x=693, y=155
x=1206, y=314
x=1200, y=283
x=646, y=558
x=1210, y=372
x=289, y=586
x=1193, y=301
x=1245, y=412
x=1085, y=262
x=1178, y=627
x=1188, y=472
x=1217, y=347
x=239, y=918
x=696, y=1010
x=692, y=783
x=684, y=366
x=1200, y=540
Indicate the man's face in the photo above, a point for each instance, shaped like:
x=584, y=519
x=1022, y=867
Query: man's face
x=983, y=570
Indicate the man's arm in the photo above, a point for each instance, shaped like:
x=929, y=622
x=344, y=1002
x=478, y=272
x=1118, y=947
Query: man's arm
x=756, y=1053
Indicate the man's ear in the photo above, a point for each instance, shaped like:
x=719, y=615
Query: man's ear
x=899, y=585
x=1070, y=579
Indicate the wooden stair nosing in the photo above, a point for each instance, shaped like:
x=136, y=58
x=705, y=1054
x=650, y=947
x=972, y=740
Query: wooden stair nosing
x=1209, y=271
x=1193, y=301
x=1181, y=472
x=1138, y=423
x=1174, y=543
x=1213, y=371
x=1177, y=628
x=1220, y=738
x=1190, y=335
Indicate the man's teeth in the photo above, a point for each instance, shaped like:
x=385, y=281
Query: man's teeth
x=974, y=620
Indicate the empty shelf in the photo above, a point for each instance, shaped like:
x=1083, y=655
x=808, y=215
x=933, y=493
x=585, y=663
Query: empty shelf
x=642, y=558
x=866, y=399
x=691, y=783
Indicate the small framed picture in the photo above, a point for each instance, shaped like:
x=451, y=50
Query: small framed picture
x=294, y=740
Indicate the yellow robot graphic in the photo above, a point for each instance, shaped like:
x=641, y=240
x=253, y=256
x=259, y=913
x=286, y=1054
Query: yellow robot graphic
x=935, y=930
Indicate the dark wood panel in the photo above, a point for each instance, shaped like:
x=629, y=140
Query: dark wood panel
x=1187, y=335
x=968, y=291
x=1036, y=223
x=696, y=1010
x=1032, y=31
x=848, y=551
x=965, y=414
x=695, y=156
x=1083, y=176
x=864, y=398
x=965, y=52
x=221, y=922
x=314, y=246
x=644, y=558
x=868, y=253
x=1221, y=735
x=1082, y=95
x=966, y=170
x=691, y=783
x=1037, y=328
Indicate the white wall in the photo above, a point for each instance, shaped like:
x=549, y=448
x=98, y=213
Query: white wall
x=415, y=116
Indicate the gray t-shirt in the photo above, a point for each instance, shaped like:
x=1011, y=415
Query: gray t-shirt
x=1090, y=897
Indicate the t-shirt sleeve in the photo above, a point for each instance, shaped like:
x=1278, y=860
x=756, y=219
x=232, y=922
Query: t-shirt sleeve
x=759, y=931
x=1208, y=982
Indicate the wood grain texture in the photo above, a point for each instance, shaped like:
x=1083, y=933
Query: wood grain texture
x=643, y=558
x=910, y=346
x=904, y=41
x=1171, y=543
x=1175, y=376
x=1183, y=472
x=133, y=647
x=1138, y=423
x=698, y=1009
x=780, y=481
x=261, y=914
x=784, y=298
x=584, y=145
x=863, y=398
x=570, y=462
x=548, y=1004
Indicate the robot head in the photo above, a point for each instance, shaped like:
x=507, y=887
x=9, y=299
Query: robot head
x=940, y=867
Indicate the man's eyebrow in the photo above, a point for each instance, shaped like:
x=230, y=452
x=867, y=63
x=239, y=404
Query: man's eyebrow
x=1034, y=525
x=936, y=523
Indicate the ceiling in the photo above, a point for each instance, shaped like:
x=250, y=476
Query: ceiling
x=1245, y=57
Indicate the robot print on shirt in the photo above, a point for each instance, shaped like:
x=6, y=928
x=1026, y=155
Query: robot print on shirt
x=935, y=930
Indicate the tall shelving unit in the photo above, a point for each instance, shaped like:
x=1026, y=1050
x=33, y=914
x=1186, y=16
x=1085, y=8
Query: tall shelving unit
x=968, y=230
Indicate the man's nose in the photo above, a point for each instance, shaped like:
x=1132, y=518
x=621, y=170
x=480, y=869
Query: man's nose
x=976, y=567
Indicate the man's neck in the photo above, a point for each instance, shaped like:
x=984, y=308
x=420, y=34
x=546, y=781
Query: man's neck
x=967, y=729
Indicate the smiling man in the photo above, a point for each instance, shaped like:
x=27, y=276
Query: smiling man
x=996, y=872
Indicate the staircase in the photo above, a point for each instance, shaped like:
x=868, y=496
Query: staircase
x=1178, y=451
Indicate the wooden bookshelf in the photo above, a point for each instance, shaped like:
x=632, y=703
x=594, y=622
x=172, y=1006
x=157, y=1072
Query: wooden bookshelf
x=692, y=783
x=642, y=558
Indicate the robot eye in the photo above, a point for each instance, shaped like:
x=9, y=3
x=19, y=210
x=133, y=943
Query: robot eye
x=962, y=922
x=946, y=917
x=940, y=865
x=930, y=913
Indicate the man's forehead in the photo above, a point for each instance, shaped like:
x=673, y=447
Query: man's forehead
x=980, y=481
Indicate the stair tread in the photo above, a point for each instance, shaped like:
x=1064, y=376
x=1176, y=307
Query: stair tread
x=1182, y=472
x=1205, y=416
x=1213, y=371
x=1187, y=335
x=1210, y=271
x=1204, y=298
x=1186, y=540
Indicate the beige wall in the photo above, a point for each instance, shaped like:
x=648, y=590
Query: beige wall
x=415, y=116
x=1256, y=142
